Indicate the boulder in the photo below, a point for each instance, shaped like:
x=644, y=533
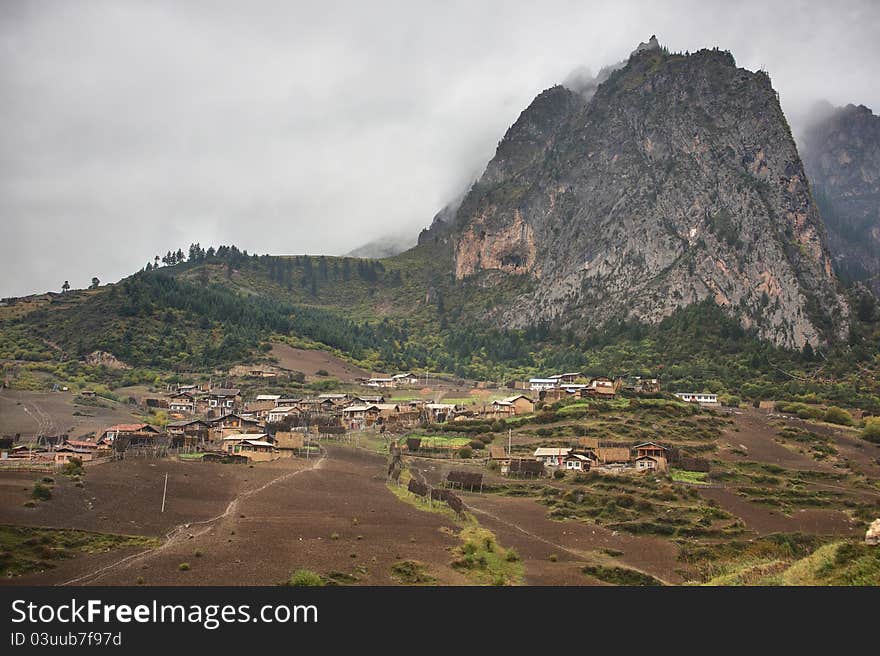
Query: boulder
x=872, y=537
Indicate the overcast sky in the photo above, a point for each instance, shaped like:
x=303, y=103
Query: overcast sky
x=131, y=128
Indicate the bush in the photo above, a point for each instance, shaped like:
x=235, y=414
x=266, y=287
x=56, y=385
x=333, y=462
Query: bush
x=322, y=372
x=835, y=415
x=183, y=567
x=871, y=432
x=476, y=444
x=42, y=492
x=558, y=474
x=465, y=452
x=305, y=578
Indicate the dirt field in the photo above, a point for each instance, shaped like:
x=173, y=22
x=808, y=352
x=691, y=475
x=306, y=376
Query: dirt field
x=311, y=361
x=255, y=526
x=52, y=413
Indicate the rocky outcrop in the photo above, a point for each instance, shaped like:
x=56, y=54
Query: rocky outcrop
x=873, y=535
x=677, y=181
x=841, y=151
x=104, y=359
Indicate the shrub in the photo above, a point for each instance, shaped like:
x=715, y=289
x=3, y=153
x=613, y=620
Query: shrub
x=558, y=474
x=871, y=431
x=465, y=452
x=305, y=578
x=476, y=444
x=42, y=492
x=835, y=415
x=183, y=567
x=322, y=372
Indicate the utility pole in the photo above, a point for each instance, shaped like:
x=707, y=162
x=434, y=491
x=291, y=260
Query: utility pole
x=164, y=492
x=509, y=441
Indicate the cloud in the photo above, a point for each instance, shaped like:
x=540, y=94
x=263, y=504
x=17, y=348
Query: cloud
x=129, y=128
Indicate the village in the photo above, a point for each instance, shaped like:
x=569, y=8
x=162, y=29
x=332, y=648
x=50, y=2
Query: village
x=222, y=424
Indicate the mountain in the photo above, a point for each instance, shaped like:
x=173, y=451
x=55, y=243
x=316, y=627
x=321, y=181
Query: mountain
x=841, y=151
x=678, y=180
x=385, y=246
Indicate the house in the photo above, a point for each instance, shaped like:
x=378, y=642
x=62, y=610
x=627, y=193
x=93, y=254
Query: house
x=698, y=397
x=553, y=395
x=278, y=414
x=267, y=397
x=136, y=434
x=182, y=402
x=337, y=399
x=521, y=403
x=498, y=453
x=223, y=399
x=358, y=417
x=439, y=413
x=290, y=400
x=63, y=454
x=651, y=463
x=641, y=385
x=231, y=424
x=88, y=394
x=191, y=433
x=538, y=384
x=602, y=387
x=289, y=440
x=385, y=383
x=551, y=456
x=500, y=410
x=566, y=378
x=262, y=373
x=253, y=446
x=260, y=408
x=577, y=462
x=406, y=379
x=650, y=449
x=523, y=467
x=367, y=399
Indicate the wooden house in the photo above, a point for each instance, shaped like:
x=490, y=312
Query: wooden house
x=254, y=447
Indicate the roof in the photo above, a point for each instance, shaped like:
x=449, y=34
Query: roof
x=267, y=397
x=258, y=442
x=221, y=391
x=282, y=408
x=578, y=456
x=551, y=451
x=511, y=399
x=244, y=436
x=360, y=408
x=502, y=402
x=543, y=380
x=654, y=444
x=332, y=396
x=128, y=428
x=186, y=422
x=497, y=452
x=440, y=406
x=81, y=444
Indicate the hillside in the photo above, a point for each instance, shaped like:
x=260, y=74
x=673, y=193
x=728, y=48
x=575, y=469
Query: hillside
x=841, y=151
x=677, y=181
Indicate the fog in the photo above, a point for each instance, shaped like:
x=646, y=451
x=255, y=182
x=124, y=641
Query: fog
x=131, y=128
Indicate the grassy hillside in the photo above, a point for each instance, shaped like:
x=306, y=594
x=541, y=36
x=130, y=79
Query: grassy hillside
x=408, y=312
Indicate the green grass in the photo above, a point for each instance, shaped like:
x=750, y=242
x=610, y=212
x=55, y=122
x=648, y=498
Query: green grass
x=482, y=559
x=684, y=476
x=840, y=564
x=24, y=549
x=620, y=575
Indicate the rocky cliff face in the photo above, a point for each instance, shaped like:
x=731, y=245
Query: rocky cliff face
x=841, y=151
x=678, y=180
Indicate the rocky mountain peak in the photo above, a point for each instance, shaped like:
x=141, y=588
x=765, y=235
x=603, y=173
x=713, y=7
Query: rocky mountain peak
x=677, y=181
